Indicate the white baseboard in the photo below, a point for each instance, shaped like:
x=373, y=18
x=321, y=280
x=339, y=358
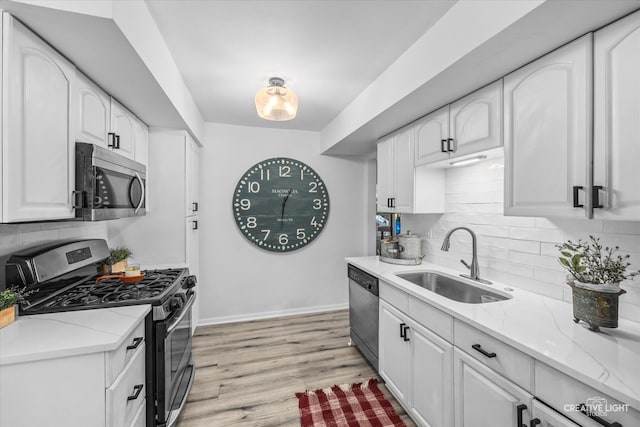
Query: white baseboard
x=270, y=314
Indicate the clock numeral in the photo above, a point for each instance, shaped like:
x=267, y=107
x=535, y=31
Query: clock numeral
x=314, y=222
x=317, y=204
x=266, y=234
x=254, y=187
x=245, y=204
x=262, y=174
x=252, y=222
x=302, y=174
x=283, y=239
x=285, y=171
x=314, y=187
x=300, y=234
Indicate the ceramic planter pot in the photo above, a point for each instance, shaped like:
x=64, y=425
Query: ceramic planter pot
x=597, y=308
x=7, y=316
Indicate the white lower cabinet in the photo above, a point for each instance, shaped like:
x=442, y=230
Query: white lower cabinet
x=543, y=416
x=485, y=398
x=417, y=367
x=100, y=389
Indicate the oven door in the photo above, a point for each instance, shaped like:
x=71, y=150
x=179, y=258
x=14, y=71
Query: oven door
x=176, y=372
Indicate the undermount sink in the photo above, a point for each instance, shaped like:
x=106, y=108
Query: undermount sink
x=453, y=288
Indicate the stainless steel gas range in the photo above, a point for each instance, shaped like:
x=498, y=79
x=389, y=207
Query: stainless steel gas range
x=63, y=278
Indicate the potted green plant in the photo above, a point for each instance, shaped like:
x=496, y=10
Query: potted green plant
x=8, y=300
x=116, y=262
x=595, y=276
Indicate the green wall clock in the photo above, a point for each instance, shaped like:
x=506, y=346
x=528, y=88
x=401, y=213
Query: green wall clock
x=280, y=204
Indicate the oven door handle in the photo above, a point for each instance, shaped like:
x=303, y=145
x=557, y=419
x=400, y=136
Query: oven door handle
x=173, y=415
x=142, y=195
x=185, y=310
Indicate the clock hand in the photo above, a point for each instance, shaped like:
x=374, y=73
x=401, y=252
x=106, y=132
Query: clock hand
x=284, y=203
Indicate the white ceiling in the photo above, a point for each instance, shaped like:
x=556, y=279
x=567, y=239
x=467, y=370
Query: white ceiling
x=327, y=51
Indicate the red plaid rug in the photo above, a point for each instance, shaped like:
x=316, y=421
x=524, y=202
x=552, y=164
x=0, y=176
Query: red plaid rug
x=350, y=405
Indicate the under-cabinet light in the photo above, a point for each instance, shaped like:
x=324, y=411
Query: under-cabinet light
x=468, y=161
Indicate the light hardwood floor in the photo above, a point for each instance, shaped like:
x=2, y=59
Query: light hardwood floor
x=247, y=373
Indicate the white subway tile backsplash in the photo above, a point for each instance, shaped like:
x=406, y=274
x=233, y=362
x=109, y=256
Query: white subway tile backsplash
x=518, y=251
x=537, y=234
x=622, y=227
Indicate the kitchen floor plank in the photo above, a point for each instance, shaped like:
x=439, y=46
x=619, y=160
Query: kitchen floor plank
x=247, y=373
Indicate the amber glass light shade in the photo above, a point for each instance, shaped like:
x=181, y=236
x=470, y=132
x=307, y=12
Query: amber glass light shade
x=276, y=102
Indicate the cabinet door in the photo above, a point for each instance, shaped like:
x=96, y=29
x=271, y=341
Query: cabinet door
x=432, y=378
x=403, y=183
x=548, y=417
x=475, y=121
x=193, y=260
x=140, y=142
x=385, y=173
x=547, y=135
x=192, y=180
x=485, y=398
x=39, y=128
x=94, y=108
x=432, y=133
x=616, y=119
x=123, y=125
x=394, y=352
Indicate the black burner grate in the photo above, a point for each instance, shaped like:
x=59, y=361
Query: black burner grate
x=111, y=292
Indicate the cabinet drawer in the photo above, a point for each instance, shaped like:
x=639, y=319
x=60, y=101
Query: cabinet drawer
x=565, y=393
x=127, y=394
x=395, y=297
x=116, y=360
x=432, y=318
x=500, y=357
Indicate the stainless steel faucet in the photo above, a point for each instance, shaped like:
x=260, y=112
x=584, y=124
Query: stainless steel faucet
x=474, y=270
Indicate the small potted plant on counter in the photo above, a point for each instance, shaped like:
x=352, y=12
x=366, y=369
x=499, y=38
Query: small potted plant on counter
x=116, y=262
x=9, y=298
x=595, y=276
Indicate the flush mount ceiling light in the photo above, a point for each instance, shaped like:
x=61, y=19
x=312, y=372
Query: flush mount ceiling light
x=468, y=161
x=276, y=102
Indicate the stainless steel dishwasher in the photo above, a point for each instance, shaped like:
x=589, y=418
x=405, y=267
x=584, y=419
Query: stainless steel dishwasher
x=363, y=312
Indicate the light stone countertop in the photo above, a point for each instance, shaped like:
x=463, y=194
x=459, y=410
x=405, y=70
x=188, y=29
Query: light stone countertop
x=47, y=336
x=541, y=327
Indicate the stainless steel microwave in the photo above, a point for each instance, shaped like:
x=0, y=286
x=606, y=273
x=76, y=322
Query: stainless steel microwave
x=108, y=185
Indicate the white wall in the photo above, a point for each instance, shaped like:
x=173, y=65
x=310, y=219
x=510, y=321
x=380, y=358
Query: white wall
x=240, y=281
x=519, y=251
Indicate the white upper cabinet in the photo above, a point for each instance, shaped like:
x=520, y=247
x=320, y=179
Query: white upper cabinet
x=432, y=134
x=547, y=134
x=94, y=106
x=403, y=188
x=403, y=149
x=617, y=120
x=475, y=121
x=123, y=126
x=470, y=125
x=38, y=128
x=193, y=181
x=385, y=173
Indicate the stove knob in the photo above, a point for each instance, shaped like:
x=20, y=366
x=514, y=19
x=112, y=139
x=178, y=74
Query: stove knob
x=175, y=304
x=190, y=282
